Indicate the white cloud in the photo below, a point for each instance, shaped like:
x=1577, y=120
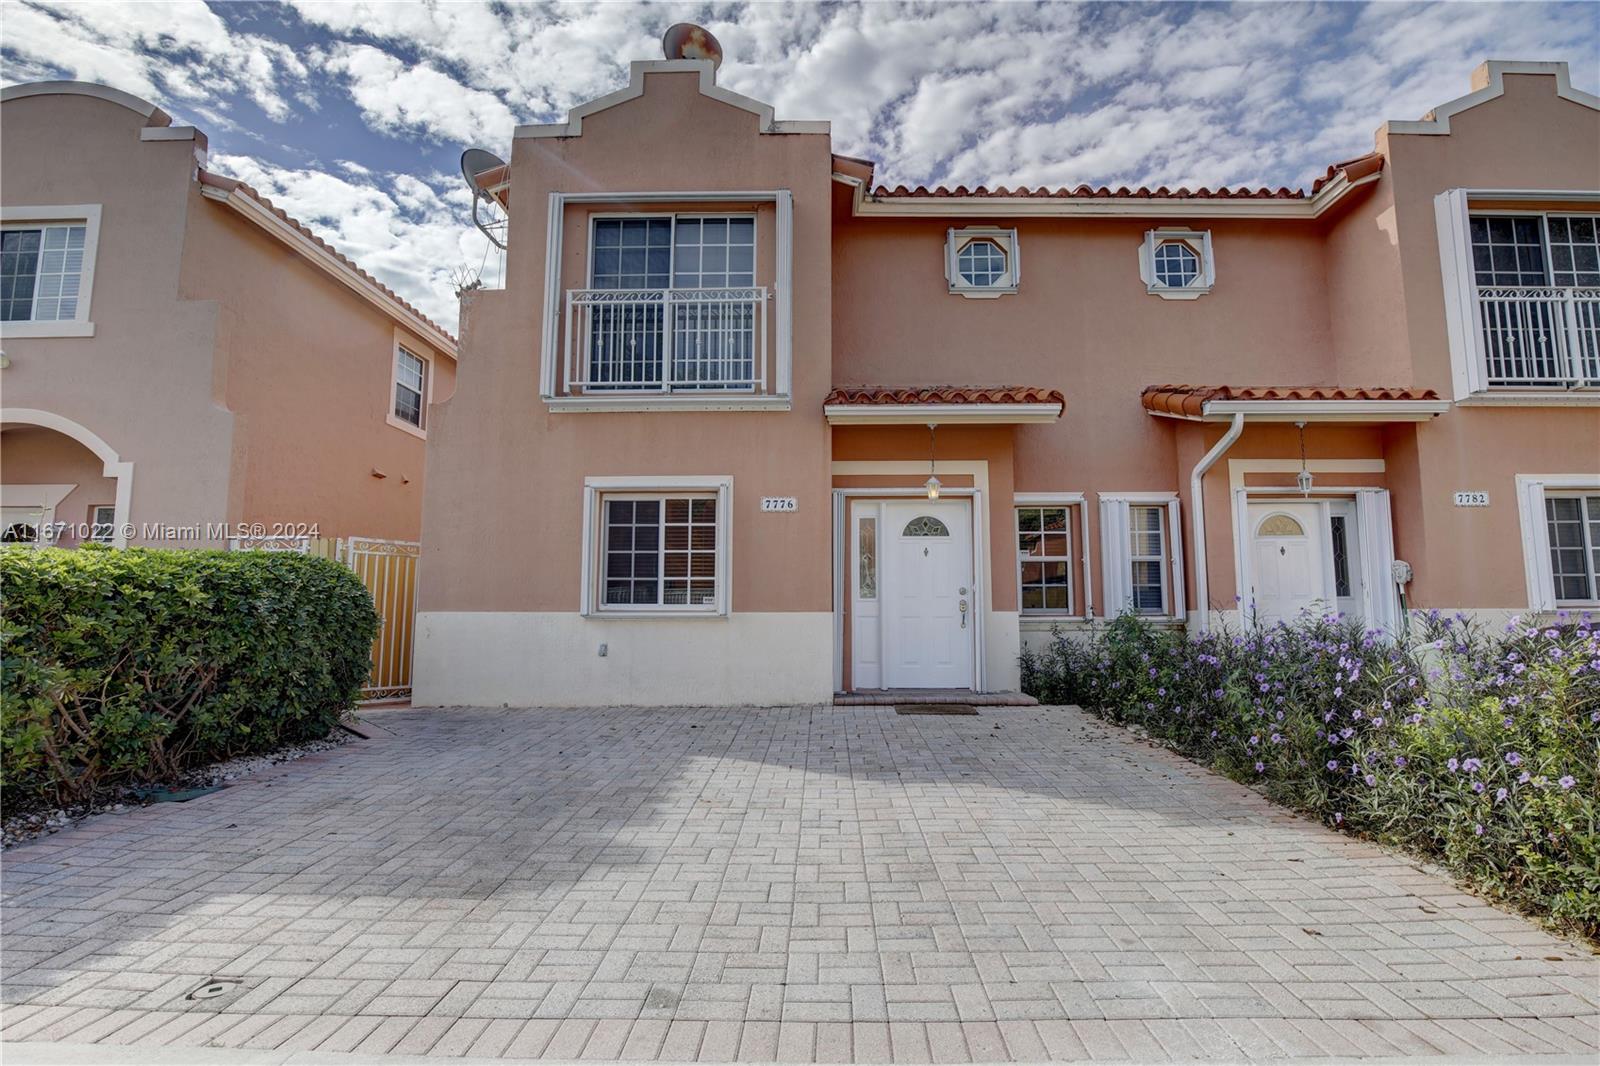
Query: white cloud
x=419, y=99
x=407, y=232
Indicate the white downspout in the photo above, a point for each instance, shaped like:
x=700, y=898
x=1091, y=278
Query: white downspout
x=1197, y=516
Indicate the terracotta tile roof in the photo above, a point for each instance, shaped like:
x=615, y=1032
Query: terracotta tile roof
x=235, y=185
x=1190, y=400
x=1353, y=169
x=879, y=395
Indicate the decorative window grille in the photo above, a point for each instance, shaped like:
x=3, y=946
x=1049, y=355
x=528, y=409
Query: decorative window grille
x=1176, y=264
x=1341, y=555
x=925, y=526
x=867, y=567
x=672, y=306
x=1538, y=294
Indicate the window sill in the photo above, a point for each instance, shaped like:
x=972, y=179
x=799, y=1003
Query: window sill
x=1168, y=293
x=1533, y=398
x=402, y=424
x=989, y=292
x=611, y=616
x=662, y=402
x=28, y=330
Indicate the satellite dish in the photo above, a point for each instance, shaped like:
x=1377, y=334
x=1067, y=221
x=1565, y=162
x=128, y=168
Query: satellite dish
x=688, y=41
x=489, y=180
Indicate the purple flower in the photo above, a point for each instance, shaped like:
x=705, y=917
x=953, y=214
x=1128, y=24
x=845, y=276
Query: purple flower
x=1478, y=787
x=1260, y=766
x=1524, y=777
x=1567, y=781
x=1454, y=765
x=1472, y=765
x=1371, y=780
x=1500, y=795
x=1333, y=764
x=1513, y=759
x=1478, y=829
x=1400, y=761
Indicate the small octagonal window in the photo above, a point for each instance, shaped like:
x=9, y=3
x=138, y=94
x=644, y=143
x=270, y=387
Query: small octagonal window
x=981, y=263
x=1176, y=264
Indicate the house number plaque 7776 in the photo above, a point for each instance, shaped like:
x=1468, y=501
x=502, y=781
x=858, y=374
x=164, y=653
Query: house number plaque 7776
x=779, y=503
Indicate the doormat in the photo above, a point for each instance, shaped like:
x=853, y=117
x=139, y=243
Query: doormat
x=934, y=708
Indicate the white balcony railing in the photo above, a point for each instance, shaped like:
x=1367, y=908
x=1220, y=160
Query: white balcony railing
x=666, y=340
x=1541, y=338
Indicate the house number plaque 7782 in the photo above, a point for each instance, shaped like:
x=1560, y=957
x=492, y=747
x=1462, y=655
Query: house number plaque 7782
x=1472, y=499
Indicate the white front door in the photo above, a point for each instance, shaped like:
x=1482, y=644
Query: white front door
x=929, y=605
x=1287, y=554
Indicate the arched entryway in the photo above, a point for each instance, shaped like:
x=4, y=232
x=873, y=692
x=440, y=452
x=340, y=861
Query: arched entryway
x=57, y=471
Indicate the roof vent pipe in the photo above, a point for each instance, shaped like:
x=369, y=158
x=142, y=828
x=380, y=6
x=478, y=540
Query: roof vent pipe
x=1197, y=515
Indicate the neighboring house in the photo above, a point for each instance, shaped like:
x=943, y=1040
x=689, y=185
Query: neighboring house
x=181, y=356
x=691, y=460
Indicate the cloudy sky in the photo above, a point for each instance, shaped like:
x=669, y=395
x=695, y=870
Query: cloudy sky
x=352, y=115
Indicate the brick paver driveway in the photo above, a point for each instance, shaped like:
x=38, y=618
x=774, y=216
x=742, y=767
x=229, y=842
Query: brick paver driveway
x=802, y=883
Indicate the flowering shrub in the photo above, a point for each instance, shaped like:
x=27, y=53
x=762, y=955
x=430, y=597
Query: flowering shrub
x=1479, y=752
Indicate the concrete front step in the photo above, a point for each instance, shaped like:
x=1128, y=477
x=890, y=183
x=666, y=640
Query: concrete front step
x=963, y=697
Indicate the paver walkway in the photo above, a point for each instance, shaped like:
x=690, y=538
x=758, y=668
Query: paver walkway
x=814, y=883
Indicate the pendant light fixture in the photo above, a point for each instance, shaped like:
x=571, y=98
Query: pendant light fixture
x=932, y=484
x=1303, y=478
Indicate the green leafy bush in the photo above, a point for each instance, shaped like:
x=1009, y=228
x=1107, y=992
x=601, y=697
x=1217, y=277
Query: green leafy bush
x=120, y=666
x=1478, y=752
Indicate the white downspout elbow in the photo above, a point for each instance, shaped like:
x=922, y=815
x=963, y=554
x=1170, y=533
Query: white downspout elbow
x=1197, y=517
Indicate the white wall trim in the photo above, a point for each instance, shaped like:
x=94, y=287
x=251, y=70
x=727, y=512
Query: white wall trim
x=638, y=70
x=1238, y=468
x=1115, y=551
x=1327, y=410
x=143, y=108
x=1199, y=242
x=115, y=466
x=1004, y=239
x=331, y=264
x=81, y=324
x=550, y=659
x=1540, y=576
x=596, y=487
x=1437, y=122
x=783, y=300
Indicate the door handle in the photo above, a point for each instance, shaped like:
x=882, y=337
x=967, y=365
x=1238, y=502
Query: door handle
x=963, y=613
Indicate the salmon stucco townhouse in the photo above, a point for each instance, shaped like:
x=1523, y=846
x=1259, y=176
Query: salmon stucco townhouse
x=744, y=426
x=183, y=361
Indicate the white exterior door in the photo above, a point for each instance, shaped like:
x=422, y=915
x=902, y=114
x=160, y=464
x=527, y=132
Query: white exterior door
x=928, y=605
x=1287, y=553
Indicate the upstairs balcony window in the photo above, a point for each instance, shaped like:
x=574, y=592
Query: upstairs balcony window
x=1537, y=286
x=672, y=306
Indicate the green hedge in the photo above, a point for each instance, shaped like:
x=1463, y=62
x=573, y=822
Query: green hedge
x=122, y=666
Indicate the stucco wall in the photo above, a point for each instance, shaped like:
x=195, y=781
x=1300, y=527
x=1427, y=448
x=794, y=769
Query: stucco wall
x=143, y=382
x=508, y=473
x=1529, y=138
x=306, y=368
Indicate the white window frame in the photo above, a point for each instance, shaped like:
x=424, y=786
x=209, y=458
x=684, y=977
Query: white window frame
x=1117, y=559
x=1005, y=239
x=597, y=489
x=1077, y=551
x=86, y=215
x=1540, y=574
x=782, y=297
x=102, y=532
x=1463, y=317
x=417, y=350
x=1199, y=242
